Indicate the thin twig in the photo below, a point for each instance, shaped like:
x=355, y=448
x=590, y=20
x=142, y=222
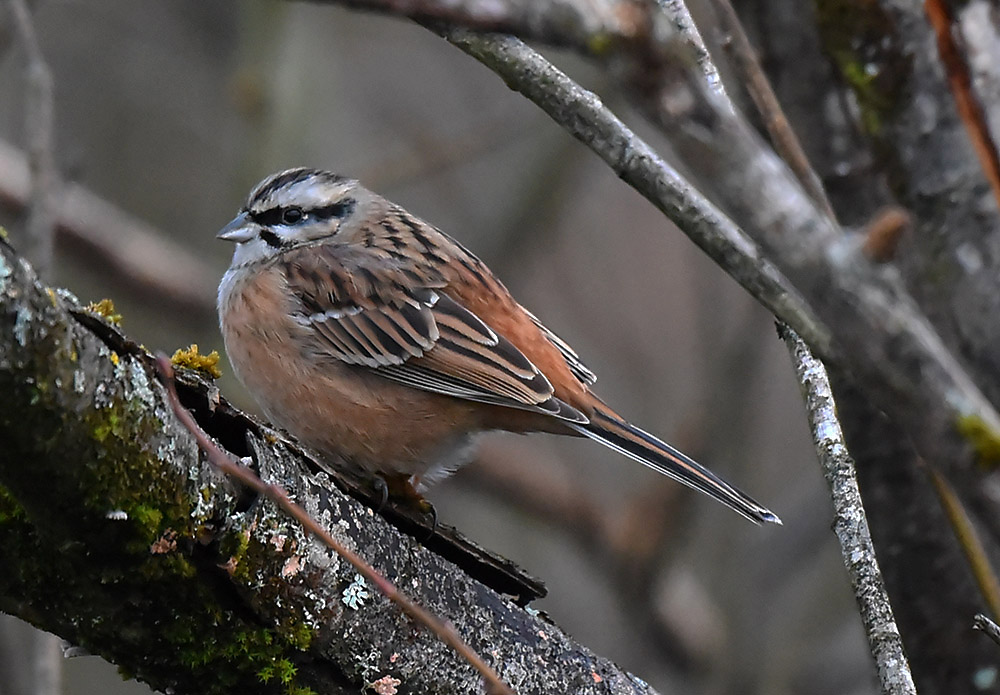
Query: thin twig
x=38, y=119
x=786, y=142
x=850, y=523
x=684, y=23
x=992, y=630
x=445, y=632
x=969, y=541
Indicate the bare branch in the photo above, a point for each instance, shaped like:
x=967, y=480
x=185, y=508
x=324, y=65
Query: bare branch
x=888, y=344
x=850, y=523
x=960, y=81
x=980, y=33
x=684, y=24
x=588, y=25
x=585, y=117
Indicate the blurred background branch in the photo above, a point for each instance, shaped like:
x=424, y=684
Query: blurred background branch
x=141, y=258
x=44, y=651
x=39, y=123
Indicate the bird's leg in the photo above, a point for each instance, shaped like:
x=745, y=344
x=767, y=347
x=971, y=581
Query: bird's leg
x=403, y=489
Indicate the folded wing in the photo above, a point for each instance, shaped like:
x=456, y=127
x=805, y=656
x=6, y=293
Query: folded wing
x=398, y=321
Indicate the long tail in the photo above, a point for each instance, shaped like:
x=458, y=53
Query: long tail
x=614, y=432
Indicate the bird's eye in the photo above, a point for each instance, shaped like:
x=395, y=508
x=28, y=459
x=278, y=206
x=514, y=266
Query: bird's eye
x=292, y=215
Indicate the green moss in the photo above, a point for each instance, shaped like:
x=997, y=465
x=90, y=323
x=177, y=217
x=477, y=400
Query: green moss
x=984, y=440
x=861, y=38
x=234, y=547
x=124, y=475
x=299, y=636
x=105, y=428
x=149, y=519
x=260, y=651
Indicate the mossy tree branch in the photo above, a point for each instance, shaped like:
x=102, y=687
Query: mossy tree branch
x=116, y=535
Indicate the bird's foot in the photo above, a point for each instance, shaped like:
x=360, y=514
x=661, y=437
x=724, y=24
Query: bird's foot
x=402, y=489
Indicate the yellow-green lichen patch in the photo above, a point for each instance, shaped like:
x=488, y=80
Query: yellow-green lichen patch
x=984, y=440
x=192, y=359
x=599, y=44
x=105, y=308
x=10, y=509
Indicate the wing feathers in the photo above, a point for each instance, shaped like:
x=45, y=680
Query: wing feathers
x=377, y=317
x=576, y=365
x=390, y=314
x=462, y=321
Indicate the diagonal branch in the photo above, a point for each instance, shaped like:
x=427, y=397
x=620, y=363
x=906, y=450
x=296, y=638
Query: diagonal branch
x=850, y=523
x=583, y=115
x=785, y=142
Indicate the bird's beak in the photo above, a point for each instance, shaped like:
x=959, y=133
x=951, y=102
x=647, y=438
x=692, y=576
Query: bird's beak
x=239, y=230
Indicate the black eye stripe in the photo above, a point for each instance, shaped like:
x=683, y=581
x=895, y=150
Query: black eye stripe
x=339, y=210
x=267, y=218
x=274, y=216
x=270, y=238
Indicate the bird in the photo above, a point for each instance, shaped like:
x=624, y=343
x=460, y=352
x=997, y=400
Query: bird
x=383, y=344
